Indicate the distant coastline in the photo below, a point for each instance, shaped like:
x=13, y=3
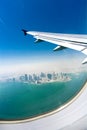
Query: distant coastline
x=20, y=101
x=40, y=78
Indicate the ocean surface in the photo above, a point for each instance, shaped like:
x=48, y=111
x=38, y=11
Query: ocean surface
x=23, y=100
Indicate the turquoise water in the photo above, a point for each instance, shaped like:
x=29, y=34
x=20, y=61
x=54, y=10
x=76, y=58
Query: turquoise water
x=22, y=100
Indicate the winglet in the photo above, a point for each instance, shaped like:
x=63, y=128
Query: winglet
x=25, y=31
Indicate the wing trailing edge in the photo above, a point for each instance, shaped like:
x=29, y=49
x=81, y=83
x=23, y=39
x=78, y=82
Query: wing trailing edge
x=72, y=41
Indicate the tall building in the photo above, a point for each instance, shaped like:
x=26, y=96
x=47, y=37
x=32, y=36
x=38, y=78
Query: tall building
x=49, y=76
x=30, y=77
x=42, y=75
x=26, y=77
x=54, y=76
x=35, y=77
x=22, y=78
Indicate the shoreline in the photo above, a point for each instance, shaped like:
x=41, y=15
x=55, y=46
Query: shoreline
x=48, y=113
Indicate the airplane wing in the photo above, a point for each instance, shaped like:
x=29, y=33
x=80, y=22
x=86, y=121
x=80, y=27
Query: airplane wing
x=76, y=42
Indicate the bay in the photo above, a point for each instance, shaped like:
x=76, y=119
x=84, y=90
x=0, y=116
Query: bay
x=20, y=101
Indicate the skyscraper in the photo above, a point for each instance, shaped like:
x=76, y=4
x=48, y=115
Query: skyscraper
x=26, y=77
x=49, y=76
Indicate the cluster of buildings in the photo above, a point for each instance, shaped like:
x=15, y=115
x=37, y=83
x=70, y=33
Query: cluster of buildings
x=42, y=78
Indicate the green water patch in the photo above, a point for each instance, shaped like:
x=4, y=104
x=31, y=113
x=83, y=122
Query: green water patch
x=23, y=100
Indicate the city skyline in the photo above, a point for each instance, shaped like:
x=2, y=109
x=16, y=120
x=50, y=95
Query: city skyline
x=39, y=78
x=65, y=71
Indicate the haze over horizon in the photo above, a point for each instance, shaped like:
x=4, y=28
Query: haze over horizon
x=61, y=65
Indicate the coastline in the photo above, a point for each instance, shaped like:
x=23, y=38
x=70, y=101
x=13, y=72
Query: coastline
x=48, y=113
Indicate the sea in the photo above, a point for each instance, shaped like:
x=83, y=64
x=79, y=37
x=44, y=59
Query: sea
x=20, y=101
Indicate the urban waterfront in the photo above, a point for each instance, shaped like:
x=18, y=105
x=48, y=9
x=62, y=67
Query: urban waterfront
x=40, y=78
x=21, y=100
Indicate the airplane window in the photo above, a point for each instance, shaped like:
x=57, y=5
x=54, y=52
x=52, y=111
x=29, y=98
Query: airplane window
x=44, y=74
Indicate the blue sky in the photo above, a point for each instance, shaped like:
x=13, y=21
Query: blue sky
x=62, y=16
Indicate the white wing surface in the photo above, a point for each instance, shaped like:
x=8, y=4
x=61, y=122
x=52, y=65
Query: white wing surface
x=76, y=42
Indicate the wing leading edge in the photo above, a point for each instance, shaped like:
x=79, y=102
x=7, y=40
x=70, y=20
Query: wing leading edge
x=76, y=42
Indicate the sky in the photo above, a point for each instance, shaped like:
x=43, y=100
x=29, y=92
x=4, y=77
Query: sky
x=60, y=16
